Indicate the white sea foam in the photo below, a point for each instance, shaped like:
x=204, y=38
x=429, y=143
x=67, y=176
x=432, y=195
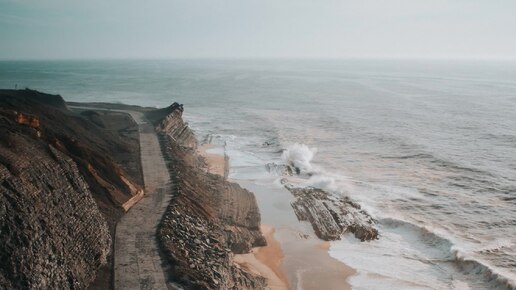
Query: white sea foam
x=408, y=256
x=322, y=181
x=299, y=156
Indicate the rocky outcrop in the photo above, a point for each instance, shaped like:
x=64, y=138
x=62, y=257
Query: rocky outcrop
x=331, y=216
x=208, y=220
x=238, y=210
x=169, y=121
x=28, y=120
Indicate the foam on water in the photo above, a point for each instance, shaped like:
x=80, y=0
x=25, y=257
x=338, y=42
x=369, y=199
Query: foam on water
x=410, y=257
x=407, y=256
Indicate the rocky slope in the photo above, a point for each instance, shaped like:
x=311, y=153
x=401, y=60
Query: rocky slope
x=64, y=180
x=209, y=218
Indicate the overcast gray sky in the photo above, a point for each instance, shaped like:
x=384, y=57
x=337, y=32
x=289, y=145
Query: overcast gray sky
x=257, y=28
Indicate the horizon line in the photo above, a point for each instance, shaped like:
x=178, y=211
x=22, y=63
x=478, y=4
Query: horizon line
x=414, y=58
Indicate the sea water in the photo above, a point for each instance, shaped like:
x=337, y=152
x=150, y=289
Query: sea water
x=427, y=147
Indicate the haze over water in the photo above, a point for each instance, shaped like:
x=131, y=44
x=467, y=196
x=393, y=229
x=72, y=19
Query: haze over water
x=428, y=147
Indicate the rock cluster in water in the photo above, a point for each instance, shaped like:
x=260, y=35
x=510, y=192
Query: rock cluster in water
x=332, y=216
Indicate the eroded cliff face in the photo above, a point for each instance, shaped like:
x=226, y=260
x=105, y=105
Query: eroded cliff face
x=169, y=122
x=63, y=184
x=208, y=220
x=108, y=161
x=52, y=234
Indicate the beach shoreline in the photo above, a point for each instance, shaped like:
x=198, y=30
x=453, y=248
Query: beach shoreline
x=294, y=258
x=263, y=261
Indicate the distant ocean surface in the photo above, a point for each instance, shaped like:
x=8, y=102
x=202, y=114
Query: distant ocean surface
x=427, y=147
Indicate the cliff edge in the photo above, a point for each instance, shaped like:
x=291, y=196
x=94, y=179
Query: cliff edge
x=209, y=219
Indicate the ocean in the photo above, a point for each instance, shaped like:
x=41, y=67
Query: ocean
x=428, y=147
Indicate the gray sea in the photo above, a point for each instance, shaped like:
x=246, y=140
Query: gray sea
x=427, y=147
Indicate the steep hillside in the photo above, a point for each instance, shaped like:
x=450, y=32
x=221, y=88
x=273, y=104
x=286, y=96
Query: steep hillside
x=64, y=181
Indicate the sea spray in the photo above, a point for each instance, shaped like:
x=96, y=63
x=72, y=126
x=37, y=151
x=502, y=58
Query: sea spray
x=299, y=156
x=322, y=181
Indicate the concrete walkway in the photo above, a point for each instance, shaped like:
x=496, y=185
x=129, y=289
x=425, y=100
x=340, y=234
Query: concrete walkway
x=137, y=261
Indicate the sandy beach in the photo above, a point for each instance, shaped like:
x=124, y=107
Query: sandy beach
x=294, y=257
x=266, y=261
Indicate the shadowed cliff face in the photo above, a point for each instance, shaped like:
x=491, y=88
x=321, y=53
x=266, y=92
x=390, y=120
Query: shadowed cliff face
x=169, y=121
x=208, y=220
x=61, y=188
x=88, y=143
x=52, y=234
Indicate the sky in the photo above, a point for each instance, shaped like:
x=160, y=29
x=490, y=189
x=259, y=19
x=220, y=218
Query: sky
x=98, y=29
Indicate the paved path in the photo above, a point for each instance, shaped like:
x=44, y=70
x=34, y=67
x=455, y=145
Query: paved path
x=137, y=262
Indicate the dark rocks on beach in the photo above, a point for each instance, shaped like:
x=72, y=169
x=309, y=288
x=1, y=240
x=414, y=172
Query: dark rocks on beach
x=332, y=216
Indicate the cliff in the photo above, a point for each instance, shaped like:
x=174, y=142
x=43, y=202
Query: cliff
x=53, y=235
x=64, y=180
x=208, y=220
x=108, y=160
x=169, y=121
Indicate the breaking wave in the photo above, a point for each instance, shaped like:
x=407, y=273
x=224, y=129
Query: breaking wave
x=299, y=156
x=297, y=159
x=451, y=252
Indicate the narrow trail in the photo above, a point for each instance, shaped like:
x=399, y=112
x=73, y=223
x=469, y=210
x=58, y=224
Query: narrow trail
x=137, y=260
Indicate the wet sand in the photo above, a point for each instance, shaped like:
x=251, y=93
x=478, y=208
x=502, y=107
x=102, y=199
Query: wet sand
x=325, y=272
x=305, y=260
x=271, y=255
x=266, y=261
